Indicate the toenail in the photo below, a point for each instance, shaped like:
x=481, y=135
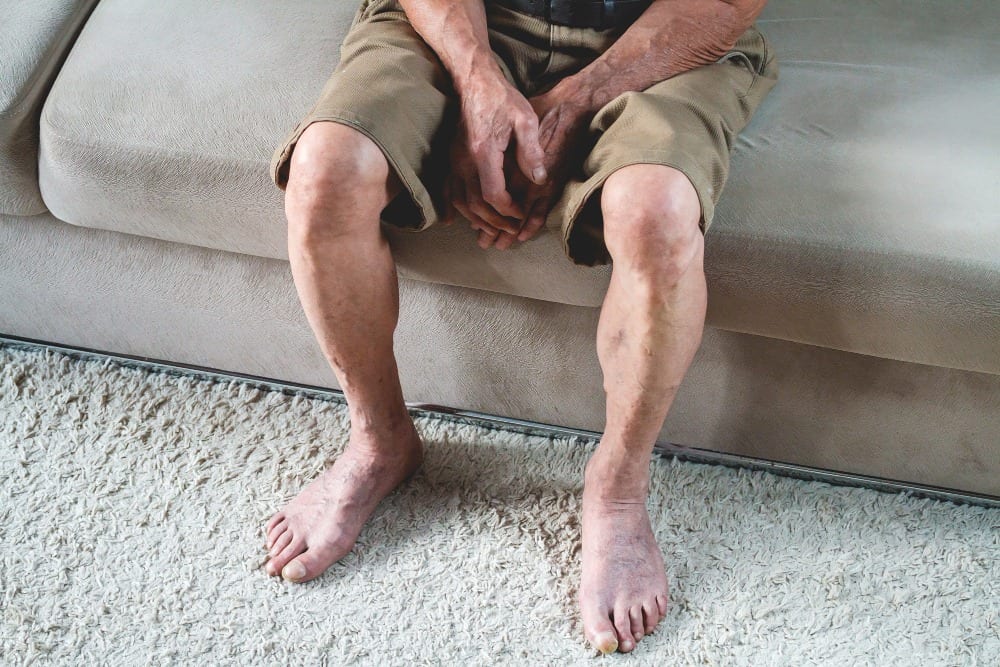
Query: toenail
x=607, y=643
x=293, y=571
x=626, y=645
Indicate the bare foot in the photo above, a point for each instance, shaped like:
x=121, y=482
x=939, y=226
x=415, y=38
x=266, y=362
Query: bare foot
x=320, y=525
x=623, y=591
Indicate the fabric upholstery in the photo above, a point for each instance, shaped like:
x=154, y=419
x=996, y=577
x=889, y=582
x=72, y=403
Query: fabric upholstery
x=861, y=212
x=34, y=38
x=164, y=118
x=745, y=394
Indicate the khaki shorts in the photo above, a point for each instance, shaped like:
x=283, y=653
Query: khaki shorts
x=391, y=86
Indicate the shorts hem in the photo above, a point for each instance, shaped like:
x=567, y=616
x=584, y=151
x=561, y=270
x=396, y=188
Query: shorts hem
x=575, y=204
x=407, y=176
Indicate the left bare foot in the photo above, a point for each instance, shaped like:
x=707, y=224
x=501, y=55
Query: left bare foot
x=623, y=591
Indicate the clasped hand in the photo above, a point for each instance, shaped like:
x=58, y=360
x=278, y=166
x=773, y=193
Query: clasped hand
x=510, y=159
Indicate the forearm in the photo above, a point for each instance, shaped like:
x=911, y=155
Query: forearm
x=456, y=31
x=670, y=37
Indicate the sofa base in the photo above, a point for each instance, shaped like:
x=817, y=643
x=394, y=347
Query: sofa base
x=495, y=354
x=664, y=449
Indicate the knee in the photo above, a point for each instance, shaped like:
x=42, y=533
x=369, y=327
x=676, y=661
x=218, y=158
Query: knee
x=337, y=179
x=652, y=223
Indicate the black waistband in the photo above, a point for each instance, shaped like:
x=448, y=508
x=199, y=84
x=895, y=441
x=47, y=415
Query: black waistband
x=597, y=14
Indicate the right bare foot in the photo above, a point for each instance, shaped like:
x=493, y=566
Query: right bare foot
x=320, y=525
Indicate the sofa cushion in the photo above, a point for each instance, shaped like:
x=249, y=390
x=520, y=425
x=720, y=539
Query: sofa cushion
x=165, y=116
x=861, y=212
x=34, y=38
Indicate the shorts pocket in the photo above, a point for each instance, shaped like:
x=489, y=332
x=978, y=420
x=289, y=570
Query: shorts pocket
x=752, y=53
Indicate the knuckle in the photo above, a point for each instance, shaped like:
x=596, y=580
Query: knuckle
x=477, y=147
x=495, y=197
x=526, y=121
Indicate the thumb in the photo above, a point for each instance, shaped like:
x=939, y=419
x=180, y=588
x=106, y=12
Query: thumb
x=530, y=156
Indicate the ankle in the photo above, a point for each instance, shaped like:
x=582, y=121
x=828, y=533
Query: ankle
x=617, y=476
x=380, y=423
x=388, y=437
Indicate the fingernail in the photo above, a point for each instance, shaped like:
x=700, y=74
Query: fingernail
x=538, y=174
x=294, y=571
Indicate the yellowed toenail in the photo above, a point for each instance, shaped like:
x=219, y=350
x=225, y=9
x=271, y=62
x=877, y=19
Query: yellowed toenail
x=293, y=571
x=606, y=643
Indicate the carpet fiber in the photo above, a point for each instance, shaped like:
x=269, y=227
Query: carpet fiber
x=132, y=506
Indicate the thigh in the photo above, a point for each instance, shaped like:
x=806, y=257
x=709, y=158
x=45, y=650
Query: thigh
x=688, y=122
x=390, y=86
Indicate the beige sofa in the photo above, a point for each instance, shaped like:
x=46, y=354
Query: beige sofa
x=853, y=265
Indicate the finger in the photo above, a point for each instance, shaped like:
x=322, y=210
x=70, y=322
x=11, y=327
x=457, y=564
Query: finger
x=494, y=219
x=530, y=156
x=486, y=240
x=487, y=234
x=449, y=208
x=505, y=240
x=457, y=201
x=535, y=220
x=463, y=209
x=493, y=184
x=486, y=229
x=450, y=213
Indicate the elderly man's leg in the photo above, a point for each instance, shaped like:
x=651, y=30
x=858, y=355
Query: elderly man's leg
x=650, y=327
x=339, y=182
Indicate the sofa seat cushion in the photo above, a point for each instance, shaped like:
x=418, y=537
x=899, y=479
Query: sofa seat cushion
x=863, y=209
x=34, y=38
x=861, y=212
x=165, y=117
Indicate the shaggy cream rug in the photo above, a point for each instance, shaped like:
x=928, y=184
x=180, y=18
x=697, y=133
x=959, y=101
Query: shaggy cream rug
x=132, y=506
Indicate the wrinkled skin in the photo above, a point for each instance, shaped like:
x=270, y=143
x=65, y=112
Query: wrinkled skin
x=490, y=183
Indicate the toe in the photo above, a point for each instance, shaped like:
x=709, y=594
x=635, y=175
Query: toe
x=273, y=521
x=661, y=604
x=638, y=627
x=279, y=544
x=650, y=615
x=623, y=626
x=311, y=564
x=294, y=548
x=275, y=533
x=597, y=627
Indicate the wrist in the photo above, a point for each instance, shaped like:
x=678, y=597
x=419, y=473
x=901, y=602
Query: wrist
x=574, y=92
x=478, y=72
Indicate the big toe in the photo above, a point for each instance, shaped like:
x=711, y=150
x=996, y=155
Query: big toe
x=310, y=564
x=598, y=628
